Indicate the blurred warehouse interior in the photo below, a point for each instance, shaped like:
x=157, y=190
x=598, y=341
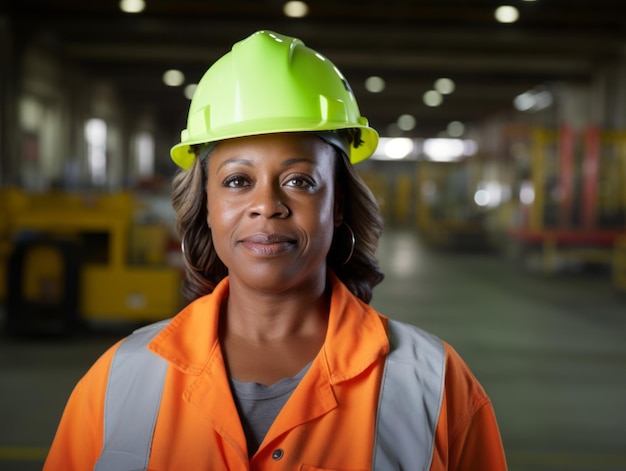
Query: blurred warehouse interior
x=501, y=175
x=503, y=126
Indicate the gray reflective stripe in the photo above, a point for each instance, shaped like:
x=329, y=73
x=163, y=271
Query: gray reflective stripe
x=129, y=417
x=412, y=388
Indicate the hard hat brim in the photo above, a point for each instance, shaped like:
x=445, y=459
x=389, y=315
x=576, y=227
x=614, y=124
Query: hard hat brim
x=184, y=157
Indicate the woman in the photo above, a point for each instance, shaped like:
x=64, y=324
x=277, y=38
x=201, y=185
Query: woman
x=278, y=362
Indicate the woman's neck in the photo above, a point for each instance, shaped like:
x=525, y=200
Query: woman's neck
x=262, y=315
x=268, y=337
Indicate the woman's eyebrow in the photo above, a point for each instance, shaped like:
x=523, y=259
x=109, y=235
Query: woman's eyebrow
x=240, y=161
x=250, y=163
x=297, y=160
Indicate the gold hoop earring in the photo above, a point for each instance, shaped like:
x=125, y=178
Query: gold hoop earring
x=352, y=242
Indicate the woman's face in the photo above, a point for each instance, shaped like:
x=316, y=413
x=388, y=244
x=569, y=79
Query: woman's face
x=272, y=208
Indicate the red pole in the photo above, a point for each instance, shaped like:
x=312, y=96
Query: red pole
x=591, y=163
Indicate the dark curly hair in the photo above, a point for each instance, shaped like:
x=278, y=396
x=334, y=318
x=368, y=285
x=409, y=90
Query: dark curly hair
x=204, y=269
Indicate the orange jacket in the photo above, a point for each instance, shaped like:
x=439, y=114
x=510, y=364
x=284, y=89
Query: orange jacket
x=328, y=423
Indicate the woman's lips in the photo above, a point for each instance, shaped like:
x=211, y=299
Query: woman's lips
x=267, y=245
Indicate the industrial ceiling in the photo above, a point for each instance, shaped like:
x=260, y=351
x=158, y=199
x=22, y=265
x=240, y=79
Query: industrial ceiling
x=408, y=43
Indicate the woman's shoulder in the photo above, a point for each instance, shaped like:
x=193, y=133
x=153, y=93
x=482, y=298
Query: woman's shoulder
x=459, y=376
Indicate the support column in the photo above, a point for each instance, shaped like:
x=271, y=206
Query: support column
x=9, y=72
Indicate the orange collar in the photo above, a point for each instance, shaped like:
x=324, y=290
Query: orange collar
x=355, y=339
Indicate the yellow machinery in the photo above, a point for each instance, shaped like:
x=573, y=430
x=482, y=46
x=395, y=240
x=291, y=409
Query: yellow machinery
x=446, y=213
x=123, y=270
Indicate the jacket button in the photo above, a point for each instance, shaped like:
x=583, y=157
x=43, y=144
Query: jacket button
x=277, y=454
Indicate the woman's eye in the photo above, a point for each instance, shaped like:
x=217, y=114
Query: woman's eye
x=236, y=181
x=300, y=182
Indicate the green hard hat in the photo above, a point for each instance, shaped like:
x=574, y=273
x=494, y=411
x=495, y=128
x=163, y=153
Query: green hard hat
x=271, y=83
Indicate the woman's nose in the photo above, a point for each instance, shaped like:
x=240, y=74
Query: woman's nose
x=268, y=201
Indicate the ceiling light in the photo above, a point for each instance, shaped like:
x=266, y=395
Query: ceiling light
x=445, y=86
x=96, y=131
x=443, y=150
x=432, y=98
x=132, y=6
x=190, y=89
x=482, y=197
x=406, y=122
x=398, y=148
x=173, y=78
x=524, y=101
x=295, y=9
x=455, y=129
x=507, y=14
x=533, y=100
x=374, y=84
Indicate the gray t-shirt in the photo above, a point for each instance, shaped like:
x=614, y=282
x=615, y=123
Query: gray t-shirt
x=258, y=405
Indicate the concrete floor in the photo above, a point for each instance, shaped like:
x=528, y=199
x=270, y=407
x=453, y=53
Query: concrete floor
x=550, y=351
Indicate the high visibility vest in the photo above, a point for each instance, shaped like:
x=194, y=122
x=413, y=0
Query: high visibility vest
x=411, y=395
